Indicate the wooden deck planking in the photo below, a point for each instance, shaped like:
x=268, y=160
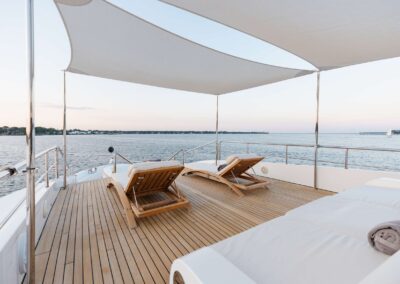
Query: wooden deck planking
x=87, y=240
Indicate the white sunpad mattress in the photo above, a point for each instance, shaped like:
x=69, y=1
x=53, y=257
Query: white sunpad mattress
x=287, y=250
x=324, y=241
x=353, y=213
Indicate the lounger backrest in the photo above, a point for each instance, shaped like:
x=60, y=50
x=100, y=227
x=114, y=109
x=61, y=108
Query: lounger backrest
x=146, y=181
x=239, y=166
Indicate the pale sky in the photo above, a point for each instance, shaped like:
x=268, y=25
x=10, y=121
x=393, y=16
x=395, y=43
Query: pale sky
x=359, y=98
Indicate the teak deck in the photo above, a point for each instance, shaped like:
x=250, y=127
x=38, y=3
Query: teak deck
x=87, y=240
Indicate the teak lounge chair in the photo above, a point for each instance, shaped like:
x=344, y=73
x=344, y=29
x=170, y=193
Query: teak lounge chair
x=148, y=189
x=235, y=173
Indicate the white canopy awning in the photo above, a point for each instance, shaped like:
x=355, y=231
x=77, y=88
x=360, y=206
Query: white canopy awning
x=328, y=34
x=109, y=42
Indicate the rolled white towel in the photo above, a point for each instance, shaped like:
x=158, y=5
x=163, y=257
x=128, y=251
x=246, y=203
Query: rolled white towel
x=386, y=237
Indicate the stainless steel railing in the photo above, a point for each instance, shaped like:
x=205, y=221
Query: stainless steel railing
x=186, y=151
x=286, y=148
x=20, y=167
x=116, y=155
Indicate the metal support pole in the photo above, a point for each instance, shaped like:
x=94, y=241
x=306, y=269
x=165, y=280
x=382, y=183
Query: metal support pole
x=316, y=136
x=30, y=149
x=65, y=134
x=216, y=135
x=56, y=162
x=46, y=166
x=286, y=154
x=114, y=168
x=346, y=159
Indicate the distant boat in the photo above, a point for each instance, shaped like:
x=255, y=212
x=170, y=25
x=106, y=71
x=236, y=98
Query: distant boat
x=389, y=133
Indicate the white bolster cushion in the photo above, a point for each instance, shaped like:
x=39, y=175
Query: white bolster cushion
x=385, y=182
x=207, y=266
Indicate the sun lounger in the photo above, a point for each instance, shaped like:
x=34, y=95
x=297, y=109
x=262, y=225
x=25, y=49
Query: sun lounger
x=234, y=173
x=149, y=188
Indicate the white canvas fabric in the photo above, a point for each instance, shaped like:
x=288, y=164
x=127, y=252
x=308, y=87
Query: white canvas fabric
x=109, y=42
x=328, y=34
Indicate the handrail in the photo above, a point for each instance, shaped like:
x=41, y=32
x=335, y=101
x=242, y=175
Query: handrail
x=185, y=151
x=45, y=176
x=124, y=158
x=311, y=146
x=116, y=154
x=346, y=148
x=19, y=167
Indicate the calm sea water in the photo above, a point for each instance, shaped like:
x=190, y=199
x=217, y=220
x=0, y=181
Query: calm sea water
x=89, y=151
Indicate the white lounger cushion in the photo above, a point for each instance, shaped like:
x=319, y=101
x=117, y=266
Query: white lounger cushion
x=145, y=166
x=231, y=158
x=211, y=167
x=385, y=182
x=124, y=170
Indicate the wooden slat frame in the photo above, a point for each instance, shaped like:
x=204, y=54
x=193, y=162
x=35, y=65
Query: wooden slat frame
x=235, y=175
x=146, y=183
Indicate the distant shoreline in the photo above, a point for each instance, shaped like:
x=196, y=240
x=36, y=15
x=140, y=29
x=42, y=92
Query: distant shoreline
x=20, y=131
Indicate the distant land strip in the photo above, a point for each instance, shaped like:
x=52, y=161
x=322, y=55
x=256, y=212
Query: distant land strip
x=393, y=132
x=16, y=131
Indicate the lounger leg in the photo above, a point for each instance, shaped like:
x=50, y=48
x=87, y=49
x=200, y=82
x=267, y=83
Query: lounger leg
x=234, y=188
x=132, y=224
x=130, y=217
x=189, y=208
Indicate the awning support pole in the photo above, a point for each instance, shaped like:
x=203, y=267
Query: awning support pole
x=316, y=136
x=65, y=134
x=216, y=134
x=30, y=149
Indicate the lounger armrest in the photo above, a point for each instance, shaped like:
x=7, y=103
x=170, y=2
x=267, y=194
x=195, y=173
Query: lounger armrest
x=206, y=266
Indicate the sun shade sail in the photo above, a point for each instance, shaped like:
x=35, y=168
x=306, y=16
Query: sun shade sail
x=109, y=42
x=328, y=34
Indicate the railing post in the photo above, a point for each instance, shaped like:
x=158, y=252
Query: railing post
x=346, y=159
x=286, y=154
x=56, y=162
x=114, y=168
x=219, y=150
x=247, y=148
x=46, y=166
